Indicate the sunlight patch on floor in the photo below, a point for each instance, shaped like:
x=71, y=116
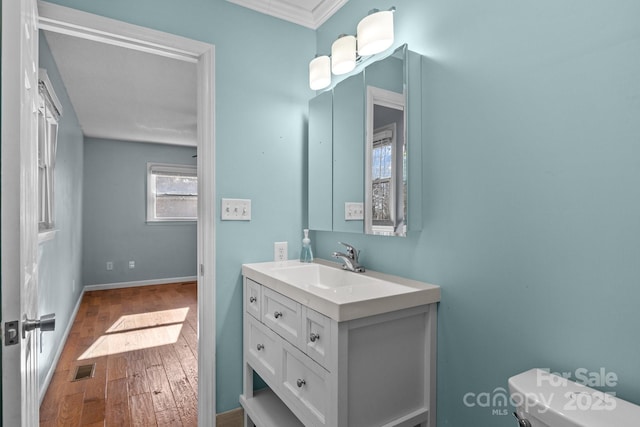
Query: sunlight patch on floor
x=146, y=320
x=139, y=331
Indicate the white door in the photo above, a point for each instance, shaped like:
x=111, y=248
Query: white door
x=19, y=203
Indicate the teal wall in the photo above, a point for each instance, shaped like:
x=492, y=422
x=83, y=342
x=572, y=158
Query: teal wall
x=59, y=262
x=115, y=224
x=530, y=157
x=531, y=165
x=261, y=93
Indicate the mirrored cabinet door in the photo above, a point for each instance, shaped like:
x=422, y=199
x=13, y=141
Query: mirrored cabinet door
x=348, y=154
x=320, y=162
x=385, y=186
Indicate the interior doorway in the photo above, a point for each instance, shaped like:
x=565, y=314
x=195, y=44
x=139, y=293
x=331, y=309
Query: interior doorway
x=70, y=22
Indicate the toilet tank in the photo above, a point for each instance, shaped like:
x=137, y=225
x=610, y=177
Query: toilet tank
x=548, y=400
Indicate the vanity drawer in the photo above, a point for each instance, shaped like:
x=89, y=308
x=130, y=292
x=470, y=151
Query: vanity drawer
x=264, y=352
x=305, y=385
x=283, y=315
x=253, y=298
x=317, y=336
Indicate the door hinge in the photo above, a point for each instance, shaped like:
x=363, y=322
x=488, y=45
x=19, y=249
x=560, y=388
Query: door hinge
x=11, y=335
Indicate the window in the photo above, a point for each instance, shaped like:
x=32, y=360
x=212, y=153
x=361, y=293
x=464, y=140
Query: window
x=49, y=112
x=172, y=192
x=382, y=177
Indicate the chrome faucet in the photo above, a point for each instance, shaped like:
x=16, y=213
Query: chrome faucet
x=350, y=259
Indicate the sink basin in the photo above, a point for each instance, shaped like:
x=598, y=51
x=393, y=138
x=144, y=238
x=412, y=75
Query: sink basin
x=341, y=294
x=326, y=277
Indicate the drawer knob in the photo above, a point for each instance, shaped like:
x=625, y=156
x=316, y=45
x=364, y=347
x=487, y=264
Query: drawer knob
x=300, y=382
x=252, y=299
x=314, y=337
x=277, y=314
x=260, y=347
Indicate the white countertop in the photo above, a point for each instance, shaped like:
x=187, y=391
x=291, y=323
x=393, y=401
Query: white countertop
x=341, y=295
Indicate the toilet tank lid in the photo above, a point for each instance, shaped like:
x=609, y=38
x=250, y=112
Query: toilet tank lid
x=552, y=398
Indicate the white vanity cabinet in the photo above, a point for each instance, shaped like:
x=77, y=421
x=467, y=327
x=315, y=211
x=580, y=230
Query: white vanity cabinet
x=374, y=370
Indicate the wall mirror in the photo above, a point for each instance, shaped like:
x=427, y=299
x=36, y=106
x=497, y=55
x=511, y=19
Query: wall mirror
x=365, y=150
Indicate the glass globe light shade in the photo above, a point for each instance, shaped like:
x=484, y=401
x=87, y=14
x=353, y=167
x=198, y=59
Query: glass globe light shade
x=343, y=55
x=320, y=72
x=375, y=33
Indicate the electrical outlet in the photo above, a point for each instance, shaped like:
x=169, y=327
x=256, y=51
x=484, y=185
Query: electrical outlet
x=132, y=264
x=280, y=251
x=109, y=265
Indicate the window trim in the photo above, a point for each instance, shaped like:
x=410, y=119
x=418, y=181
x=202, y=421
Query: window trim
x=49, y=114
x=190, y=170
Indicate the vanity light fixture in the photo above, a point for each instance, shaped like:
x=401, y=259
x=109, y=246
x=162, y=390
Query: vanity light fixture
x=374, y=35
x=320, y=72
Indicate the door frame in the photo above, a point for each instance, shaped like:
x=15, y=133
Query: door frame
x=76, y=23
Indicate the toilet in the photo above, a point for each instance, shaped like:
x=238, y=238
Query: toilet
x=543, y=399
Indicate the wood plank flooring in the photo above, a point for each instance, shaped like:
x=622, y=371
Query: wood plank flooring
x=144, y=344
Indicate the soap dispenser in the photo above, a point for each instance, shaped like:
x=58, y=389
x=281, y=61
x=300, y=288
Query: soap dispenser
x=306, y=254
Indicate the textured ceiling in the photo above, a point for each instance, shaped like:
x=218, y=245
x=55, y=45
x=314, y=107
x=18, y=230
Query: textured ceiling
x=125, y=94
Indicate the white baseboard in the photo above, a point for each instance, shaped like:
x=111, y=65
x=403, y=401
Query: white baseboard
x=119, y=285
x=61, y=343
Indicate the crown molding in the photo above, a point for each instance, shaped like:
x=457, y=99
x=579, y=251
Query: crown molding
x=310, y=14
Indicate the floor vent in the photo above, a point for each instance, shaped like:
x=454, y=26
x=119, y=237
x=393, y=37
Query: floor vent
x=84, y=372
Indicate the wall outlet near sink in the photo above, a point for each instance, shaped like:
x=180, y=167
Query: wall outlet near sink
x=280, y=251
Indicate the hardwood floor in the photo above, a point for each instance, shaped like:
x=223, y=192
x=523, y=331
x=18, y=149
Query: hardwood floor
x=144, y=345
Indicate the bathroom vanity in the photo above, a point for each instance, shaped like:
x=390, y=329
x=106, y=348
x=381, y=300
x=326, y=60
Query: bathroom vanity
x=337, y=348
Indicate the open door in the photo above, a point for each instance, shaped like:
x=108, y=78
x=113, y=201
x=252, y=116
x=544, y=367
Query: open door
x=19, y=209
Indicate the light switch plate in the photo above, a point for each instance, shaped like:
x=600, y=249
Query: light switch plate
x=353, y=211
x=236, y=210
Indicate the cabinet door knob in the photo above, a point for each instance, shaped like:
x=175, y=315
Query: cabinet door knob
x=314, y=337
x=260, y=347
x=252, y=299
x=277, y=314
x=300, y=382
